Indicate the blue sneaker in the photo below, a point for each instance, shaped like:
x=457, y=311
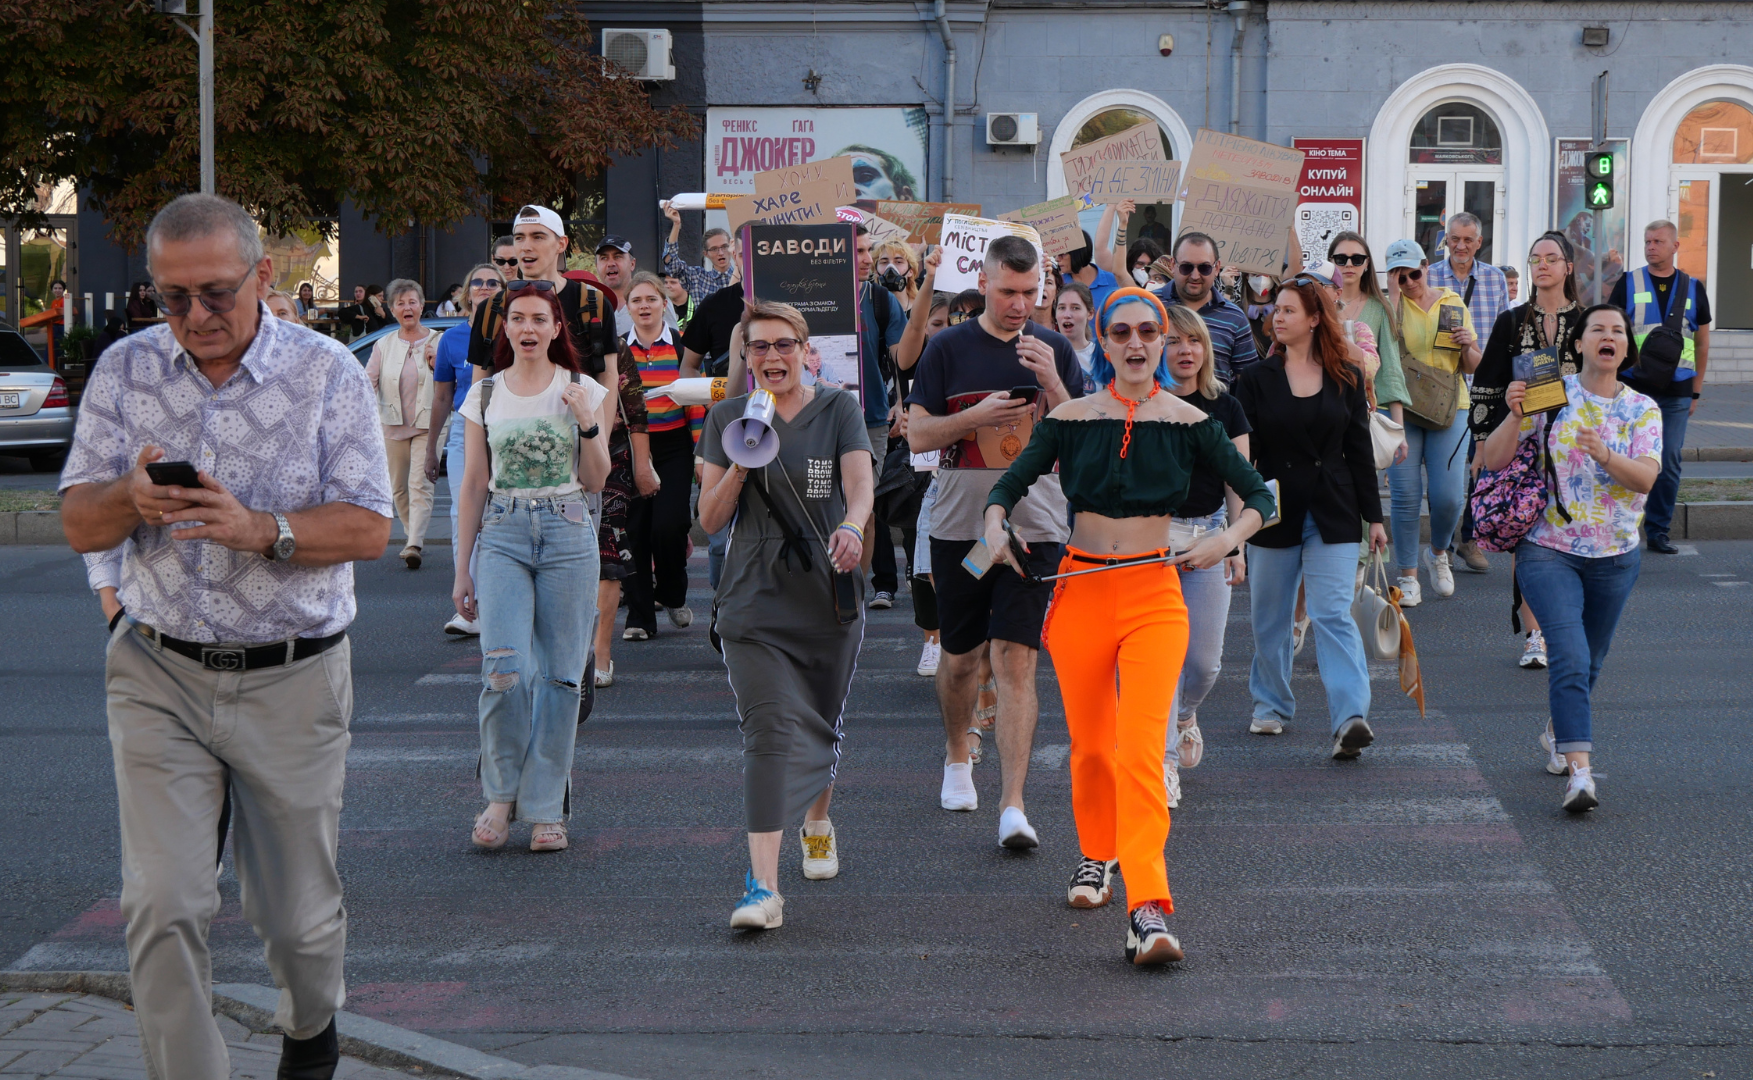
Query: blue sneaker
x=759, y=909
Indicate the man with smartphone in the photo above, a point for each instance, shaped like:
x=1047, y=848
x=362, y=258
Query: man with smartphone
x=235, y=461
x=980, y=387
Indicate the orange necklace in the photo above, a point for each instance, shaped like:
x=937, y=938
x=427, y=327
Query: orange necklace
x=1131, y=410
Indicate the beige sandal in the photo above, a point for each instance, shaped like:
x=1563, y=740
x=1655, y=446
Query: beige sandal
x=548, y=836
x=486, y=835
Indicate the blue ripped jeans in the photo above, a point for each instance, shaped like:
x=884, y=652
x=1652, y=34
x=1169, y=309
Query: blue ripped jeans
x=537, y=586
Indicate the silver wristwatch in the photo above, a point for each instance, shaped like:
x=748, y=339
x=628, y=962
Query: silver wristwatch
x=284, y=544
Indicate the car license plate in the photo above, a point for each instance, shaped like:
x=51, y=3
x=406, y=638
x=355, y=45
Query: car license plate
x=9, y=401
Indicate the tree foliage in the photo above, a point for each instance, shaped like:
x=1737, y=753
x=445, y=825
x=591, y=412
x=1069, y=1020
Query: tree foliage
x=416, y=110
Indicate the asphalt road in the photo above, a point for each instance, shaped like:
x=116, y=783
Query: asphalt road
x=1428, y=911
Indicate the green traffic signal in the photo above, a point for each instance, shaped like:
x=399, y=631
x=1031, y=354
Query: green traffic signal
x=1600, y=194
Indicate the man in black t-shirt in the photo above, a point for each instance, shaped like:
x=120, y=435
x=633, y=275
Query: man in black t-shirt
x=961, y=404
x=1650, y=299
x=706, y=341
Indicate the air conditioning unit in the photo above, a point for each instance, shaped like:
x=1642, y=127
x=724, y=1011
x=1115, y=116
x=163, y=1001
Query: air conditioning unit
x=638, y=54
x=1013, y=129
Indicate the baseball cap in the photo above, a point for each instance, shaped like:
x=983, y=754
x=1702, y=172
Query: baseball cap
x=540, y=215
x=1324, y=272
x=623, y=246
x=1404, y=255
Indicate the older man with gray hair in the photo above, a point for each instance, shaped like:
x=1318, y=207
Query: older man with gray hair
x=236, y=461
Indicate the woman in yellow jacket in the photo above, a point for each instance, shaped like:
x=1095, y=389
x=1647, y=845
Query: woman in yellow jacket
x=400, y=370
x=1436, y=332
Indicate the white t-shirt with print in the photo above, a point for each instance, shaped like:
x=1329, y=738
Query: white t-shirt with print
x=534, y=439
x=1605, y=515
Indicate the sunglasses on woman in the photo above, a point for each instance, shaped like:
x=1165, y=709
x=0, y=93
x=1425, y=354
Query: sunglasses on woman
x=1350, y=260
x=784, y=346
x=1121, y=333
x=486, y=283
x=1412, y=275
x=505, y=262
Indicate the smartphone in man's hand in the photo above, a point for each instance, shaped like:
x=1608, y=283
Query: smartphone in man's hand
x=173, y=474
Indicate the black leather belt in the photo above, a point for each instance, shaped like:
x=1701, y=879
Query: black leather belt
x=1155, y=556
x=242, y=657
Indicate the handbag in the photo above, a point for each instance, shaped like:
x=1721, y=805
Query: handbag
x=1660, y=352
x=1377, y=617
x=1432, y=392
x=1509, y=502
x=1386, y=438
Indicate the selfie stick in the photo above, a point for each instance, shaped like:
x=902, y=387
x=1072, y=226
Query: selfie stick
x=1152, y=561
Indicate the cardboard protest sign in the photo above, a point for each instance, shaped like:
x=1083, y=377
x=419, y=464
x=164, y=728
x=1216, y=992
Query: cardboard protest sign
x=1141, y=143
x=1141, y=181
x=964, y=240
x=1055, y=221
x=835, y=170
x=923, y=221
x=799, y=206
x=814, y=269
x=1242, y=193
x=881, y=232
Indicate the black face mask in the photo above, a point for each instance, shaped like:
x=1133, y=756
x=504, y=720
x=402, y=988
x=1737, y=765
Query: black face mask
x=892, y=279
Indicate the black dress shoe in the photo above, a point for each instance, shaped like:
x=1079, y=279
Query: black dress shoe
x=1659, y=542
x=314, y=1058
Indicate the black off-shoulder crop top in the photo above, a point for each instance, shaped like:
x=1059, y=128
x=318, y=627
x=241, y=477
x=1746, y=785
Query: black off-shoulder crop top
x=1150, y=481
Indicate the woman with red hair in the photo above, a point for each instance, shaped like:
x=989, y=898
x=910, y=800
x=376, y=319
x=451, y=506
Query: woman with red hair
x=532, y=451
x=1307, y=406
x=1125, y=454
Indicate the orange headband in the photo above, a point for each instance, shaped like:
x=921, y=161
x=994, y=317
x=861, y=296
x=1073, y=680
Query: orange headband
x=1132, y=294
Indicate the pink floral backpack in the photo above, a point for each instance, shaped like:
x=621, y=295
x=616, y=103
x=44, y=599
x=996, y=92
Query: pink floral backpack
x=1509, y=502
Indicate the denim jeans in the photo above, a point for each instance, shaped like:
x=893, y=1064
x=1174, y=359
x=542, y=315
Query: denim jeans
x=1658, y=509
x=1207, y=596
x=1578, y=601
x=1329, y=572
x=1440, y=456
x=454, y=454
x=537, y=587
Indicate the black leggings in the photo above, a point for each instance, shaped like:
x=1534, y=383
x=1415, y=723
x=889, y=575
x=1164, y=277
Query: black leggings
x=657, y=532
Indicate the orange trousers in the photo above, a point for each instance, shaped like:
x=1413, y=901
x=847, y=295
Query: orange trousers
x=1126, y=627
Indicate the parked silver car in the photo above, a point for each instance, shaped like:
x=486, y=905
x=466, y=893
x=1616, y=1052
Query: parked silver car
x=36, y=415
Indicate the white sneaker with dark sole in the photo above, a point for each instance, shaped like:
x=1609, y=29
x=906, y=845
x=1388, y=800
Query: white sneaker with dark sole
x=821, y=855
x=882, y=601
x=680, y=617
x=1092, y=884
x=1534, y=651
x=1579, y=794
x=1266, y=725
x=1351, y=738
x=1014, y=831
x=1148, y=940
x=1555, y=763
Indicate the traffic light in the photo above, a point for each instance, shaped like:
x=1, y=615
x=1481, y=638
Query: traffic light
x=1600, y=189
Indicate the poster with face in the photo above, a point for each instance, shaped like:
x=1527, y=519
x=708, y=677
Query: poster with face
x=886, y=145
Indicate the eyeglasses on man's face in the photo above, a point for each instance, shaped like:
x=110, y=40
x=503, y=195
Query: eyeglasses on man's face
x=217, y=301
x=717, y=249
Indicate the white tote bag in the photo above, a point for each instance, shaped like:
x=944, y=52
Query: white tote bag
x=1378, y=620
x=1386, y=438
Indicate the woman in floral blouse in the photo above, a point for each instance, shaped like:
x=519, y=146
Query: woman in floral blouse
x=1578, y=564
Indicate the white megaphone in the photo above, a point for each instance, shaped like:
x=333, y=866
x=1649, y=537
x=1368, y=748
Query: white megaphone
x=751, y=441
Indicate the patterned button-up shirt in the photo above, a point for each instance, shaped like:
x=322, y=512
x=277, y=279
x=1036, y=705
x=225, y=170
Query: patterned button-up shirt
x=702, y=281
x=1491, y=293
x=294, y=428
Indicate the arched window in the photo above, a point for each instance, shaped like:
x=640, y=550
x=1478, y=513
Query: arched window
x=1455, y=153
x=1712, y=207
x=1455, y=133
x=1108, y=113
x=1716, y=133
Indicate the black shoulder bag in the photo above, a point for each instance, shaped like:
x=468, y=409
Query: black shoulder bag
x=1658, y=357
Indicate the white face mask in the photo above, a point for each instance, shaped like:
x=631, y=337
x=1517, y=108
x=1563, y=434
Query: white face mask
x=1140, y=276
x=1260, y=283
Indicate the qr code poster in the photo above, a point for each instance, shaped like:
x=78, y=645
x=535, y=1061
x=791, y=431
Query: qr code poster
x=1318, y=223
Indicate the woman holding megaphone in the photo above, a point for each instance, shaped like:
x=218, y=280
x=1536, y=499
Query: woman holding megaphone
x=789, y=468
x=1117, y=624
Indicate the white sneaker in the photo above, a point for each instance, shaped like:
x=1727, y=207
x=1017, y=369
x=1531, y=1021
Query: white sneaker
x=928, y=658
x=1092, y=885
x=1579, y=794
x=635, y=633
x=1014, y=831
x=1555, y=763
x=606, y=676
x=462, y=627
x=958, y=788
x=1299, y=635
x=1266, y=725
x=1442, y=578
x=759, y=909
x=1190, y=745
x=680, y=617
x=1172, y=780
x=1410, y=595
x=1534, y=652
x=1351, y=738
x=821, y=858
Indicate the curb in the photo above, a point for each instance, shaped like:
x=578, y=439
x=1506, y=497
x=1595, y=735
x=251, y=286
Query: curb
x=369, y=1040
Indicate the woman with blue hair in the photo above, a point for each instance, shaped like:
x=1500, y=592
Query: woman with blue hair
x=1125, y=454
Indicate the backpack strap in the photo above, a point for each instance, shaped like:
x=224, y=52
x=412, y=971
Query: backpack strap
x=794, y=542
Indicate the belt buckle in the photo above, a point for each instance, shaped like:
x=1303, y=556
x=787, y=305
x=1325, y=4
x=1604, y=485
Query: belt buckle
x=220, y=659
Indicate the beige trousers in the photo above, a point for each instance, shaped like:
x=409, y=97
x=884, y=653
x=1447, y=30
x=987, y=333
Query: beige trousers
x=179, y=733
x=409, y=486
